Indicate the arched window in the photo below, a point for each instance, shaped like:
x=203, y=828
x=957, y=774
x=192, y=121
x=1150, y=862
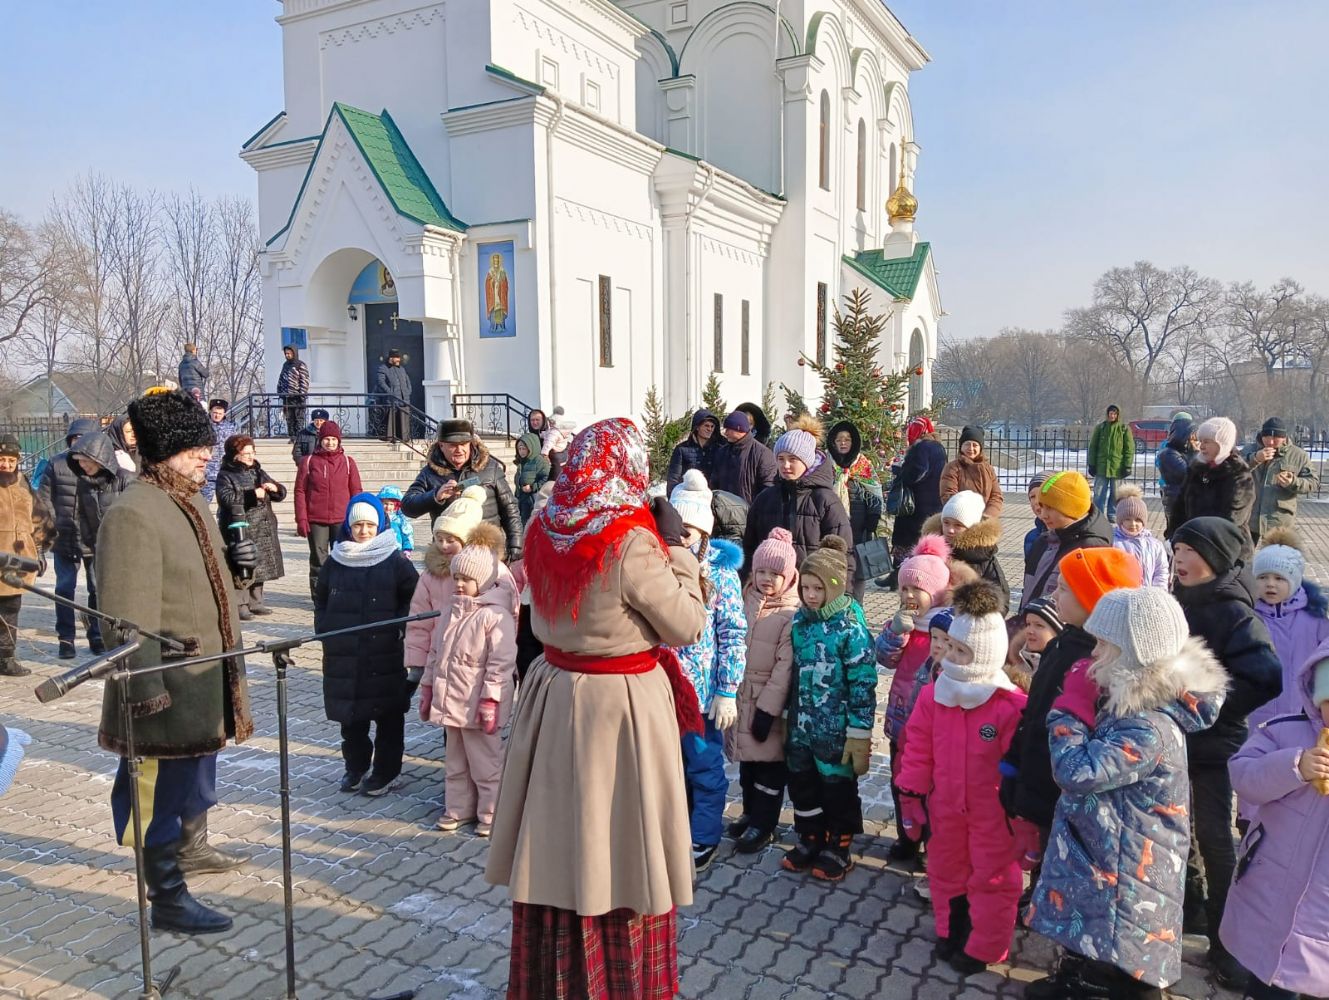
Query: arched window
x=862, y=165
x=824, y=149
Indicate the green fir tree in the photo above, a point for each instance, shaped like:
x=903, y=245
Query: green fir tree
x=856, y=388
x=712, y=400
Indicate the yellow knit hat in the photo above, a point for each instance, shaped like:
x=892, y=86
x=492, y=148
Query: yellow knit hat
x=1067, y=493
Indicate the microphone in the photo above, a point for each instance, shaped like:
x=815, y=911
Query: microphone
x=240, y=533
x=60, y=685
x=10, y=563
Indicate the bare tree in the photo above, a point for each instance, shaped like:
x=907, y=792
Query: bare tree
x=142, y=302
x=189, y=237
x=1141, y=314
x=237, y=340
x=44, y=339
x=1263, y=323
x=1026, y=363
x=83, y=218
x=23, y=278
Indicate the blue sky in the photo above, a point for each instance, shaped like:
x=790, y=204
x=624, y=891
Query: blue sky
x=1059, y=137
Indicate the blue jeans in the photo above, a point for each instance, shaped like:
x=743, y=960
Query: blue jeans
x=703, y=772
x=1105, y=496
x=66, y=582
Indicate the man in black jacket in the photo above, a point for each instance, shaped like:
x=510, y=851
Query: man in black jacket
x=742, y=466
x=457, y=460
x=393, y=386
x=293, y=387
x=1216, y=591
x=696, y=451
x=307, y=438
x=58, y=489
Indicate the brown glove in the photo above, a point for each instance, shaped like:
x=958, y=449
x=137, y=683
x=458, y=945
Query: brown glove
x=857, y=751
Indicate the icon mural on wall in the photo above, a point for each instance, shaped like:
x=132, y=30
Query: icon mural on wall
x=495, y=265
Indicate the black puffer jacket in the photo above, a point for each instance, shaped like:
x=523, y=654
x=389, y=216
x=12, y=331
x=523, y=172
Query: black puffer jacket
x=1027, y=786
x=807, y=507
x=761, y=424
x=1091, y=531
x=237, y=500
x=1222, y=613
x=58, y=489
x=364, y=674
x=743, y=468
x=921, y=471
x=692, y=454
x=1226, y=490
x=97, y=492
x=500, y=505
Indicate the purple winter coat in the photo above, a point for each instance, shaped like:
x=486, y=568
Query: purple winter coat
x=1150, y=552
x=1278, y=907
x=1298, y=627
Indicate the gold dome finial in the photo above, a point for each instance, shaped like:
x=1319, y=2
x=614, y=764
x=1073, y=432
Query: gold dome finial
x=902, y=206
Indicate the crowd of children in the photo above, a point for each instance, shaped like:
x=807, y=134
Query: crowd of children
x=1094, y=740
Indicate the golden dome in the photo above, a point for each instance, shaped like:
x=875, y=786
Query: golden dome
x=901, y=206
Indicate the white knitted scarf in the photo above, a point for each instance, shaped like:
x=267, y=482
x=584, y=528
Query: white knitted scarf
x=952, y=692
x=370, y=553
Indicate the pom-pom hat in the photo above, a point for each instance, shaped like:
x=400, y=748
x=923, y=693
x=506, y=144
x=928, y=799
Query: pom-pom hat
x=463, y=514
x=800, y=444
x=927, y=567
x=829, y=563
x=1130, y=504
x=980, y=625
x=776, y=554
x=1281, y=555
x=692, y=499
x=477, y=562
x=168, y=422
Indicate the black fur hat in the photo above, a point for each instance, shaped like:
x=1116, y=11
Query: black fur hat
x=167, y=423
x=456, y=431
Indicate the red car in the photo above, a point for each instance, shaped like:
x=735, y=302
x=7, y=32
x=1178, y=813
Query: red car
x=1150, y=432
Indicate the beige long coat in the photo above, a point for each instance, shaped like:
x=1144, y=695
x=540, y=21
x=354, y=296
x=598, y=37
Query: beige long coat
x=592, y=815
x=25, y=527
x=766, y=676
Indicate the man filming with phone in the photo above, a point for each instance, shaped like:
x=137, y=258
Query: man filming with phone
x=459, y=459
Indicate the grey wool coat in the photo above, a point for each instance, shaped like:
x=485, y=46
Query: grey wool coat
x=152, y=570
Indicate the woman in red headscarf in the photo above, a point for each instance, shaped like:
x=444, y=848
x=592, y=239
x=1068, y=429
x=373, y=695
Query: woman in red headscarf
x=591, y=834
x=921, y=471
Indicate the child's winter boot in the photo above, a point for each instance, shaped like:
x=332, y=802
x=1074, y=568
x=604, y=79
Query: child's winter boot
x=802, y=856
x=835, y=862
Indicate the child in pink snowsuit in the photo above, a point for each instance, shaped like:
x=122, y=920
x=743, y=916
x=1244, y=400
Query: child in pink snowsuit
x=467, y=688
x=955, y=738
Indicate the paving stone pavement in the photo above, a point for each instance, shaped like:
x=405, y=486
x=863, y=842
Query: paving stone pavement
x=386, y=903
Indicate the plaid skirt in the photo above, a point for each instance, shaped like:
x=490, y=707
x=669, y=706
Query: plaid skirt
x=620, y=955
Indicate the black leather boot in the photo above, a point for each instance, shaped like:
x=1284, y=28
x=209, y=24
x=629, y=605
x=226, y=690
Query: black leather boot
x=173, y=908
x=197, y=856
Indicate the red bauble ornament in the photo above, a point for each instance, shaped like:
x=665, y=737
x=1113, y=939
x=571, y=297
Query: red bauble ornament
x=918, y=371
x=825, y=407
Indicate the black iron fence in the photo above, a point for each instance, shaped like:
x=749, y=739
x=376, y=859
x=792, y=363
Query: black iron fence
x=493, y=414
x=360, y=415
x=1020, y=454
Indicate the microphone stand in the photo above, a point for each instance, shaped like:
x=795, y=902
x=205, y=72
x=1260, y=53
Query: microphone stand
x=282, y=660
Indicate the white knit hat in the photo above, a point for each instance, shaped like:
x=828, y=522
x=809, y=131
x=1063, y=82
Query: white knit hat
x=692, y=499
x=463, y=514
x=362, y=512
x=979, y=624
x=1145, y=623
x=1281, y=560
x=966, y=507
x=1221, y=431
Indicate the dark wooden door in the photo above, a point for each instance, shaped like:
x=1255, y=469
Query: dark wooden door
x=384, y=330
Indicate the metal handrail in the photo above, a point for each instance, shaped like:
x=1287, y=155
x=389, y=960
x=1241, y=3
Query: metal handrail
x=263, y=414
x=493, y=413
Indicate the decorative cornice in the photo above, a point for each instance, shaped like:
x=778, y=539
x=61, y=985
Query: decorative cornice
x=887, y=31
x=530, y=22
x=411, y=20
x=298, y=10
x=588, y=132
x=600, y=17
x=601, y=219
x=709, y=244
x=487, y=117
x=288, y=154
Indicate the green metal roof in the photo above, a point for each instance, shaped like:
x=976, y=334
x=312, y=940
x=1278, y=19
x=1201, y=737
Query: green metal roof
x=897, y=275
x=404, y=181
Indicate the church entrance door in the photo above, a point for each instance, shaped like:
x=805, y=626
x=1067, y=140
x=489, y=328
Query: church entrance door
x=384, y=330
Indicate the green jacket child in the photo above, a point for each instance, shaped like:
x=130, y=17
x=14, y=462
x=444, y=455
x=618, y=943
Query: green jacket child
x=532, y=473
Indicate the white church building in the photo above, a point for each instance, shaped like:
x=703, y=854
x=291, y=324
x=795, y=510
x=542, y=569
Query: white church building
x=571, y=201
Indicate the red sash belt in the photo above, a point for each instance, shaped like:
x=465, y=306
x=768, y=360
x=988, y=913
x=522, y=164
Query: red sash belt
x=686, y=708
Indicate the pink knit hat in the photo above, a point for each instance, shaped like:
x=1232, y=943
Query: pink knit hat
x=776, y=554
x=927, y=567
x=479, y=562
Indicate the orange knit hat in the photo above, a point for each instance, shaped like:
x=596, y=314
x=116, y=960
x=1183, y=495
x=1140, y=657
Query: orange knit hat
x=1091, y=573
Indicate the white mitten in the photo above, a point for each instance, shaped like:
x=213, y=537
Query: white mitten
x=724, y=711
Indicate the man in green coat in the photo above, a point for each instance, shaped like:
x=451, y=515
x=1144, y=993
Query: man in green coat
x=1111, y=459
x=1282, y=473
x=162, y=564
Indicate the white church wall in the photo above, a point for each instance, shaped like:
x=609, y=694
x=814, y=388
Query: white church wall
x=584, y=51
x=277, y=191
x=736, y=274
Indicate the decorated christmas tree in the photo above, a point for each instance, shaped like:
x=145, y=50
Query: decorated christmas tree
x=856, y=388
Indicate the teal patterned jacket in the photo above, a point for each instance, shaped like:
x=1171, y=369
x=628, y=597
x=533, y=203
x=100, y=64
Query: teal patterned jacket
x=836, y=689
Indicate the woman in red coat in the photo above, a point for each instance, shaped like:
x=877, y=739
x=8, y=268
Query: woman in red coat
x=324, y=484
